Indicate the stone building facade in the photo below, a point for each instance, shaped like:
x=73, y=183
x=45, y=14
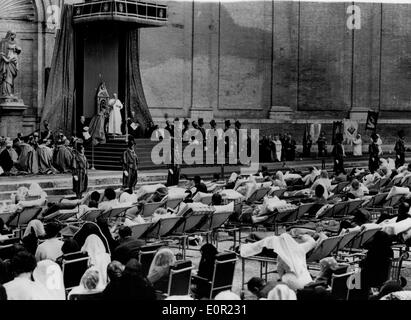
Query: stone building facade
x=268, y=63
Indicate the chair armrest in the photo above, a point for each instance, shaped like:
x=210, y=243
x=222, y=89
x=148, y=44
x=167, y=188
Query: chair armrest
x=199, y=278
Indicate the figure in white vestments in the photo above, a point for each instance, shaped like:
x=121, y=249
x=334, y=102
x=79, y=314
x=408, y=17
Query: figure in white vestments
x=115, y=119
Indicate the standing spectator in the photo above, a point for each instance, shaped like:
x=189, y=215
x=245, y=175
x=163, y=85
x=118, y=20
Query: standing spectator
x=8, y=158
x=308, y=142
x=379, y=143
x=79, y=168
x=322, y=145
x=202, y=130
x=400, y=150
x=186, y=126
x=357, y=146
x=290, y=146
x=338, y=154
x=278, y=148
x=374, y=152
x=129, y=162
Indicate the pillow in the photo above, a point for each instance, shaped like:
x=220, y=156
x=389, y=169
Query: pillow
x=225, y=208
x=175, y=193
x=231, y=194
x=397, y=191
x=292, y=176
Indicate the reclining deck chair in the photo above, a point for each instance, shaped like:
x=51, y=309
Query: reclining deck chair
x=23, y=217
x=138, y=230
x=324, y=249
x=91, y=215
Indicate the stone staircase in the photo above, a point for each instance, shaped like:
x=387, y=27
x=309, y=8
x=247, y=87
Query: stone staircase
x=108, y=156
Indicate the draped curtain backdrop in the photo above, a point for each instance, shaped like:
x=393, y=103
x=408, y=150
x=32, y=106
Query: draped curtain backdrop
x=59, y=103
x=135, y=98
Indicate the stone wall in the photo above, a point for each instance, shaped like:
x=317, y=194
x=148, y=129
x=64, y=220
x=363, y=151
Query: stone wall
x=286, y=60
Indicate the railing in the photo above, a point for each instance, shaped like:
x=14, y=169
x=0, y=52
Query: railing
x=121, y=10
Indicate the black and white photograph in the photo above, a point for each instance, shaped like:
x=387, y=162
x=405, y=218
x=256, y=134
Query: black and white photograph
x=186, y=152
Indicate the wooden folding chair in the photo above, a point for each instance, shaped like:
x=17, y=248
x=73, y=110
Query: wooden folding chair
x=223, y=274
x=179, y=281
x=73, y=266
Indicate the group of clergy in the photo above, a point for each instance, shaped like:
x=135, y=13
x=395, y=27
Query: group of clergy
x=36, y=154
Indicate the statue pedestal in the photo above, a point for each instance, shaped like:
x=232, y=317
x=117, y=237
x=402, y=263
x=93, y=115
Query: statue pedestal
x=11, y=116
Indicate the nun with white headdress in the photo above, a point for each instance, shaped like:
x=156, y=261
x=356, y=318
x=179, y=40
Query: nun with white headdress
x=99, y=258
x=48, y=274
x=292, y=266
x=281, y=292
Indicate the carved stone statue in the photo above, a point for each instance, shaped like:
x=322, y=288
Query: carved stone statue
x=9, y=52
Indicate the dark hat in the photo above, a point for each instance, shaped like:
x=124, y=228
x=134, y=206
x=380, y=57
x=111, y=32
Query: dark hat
x=237, y=123
x=227, y=123
x=212, y=122
x=186, y=122
x=201, y=121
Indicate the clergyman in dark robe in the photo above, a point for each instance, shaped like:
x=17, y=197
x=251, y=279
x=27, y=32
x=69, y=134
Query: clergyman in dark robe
x=63, y=157
x=400, y=150
x=129, y=162
x=8, y=157
x=97, y=127
x=45, y=159
x=25, y=150
x=79, y=170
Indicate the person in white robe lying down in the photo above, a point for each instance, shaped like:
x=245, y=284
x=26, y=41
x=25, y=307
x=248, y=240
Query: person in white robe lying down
x=292, y=266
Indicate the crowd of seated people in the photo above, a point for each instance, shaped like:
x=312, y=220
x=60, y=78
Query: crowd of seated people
x=114, y=271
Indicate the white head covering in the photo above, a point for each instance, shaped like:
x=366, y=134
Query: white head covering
x=49, y=275
x=99, y=258
x=227, y=295
x=281, y=292
x=35, y=189
x=233, y=177
x=289, y=251
x=37, y=226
